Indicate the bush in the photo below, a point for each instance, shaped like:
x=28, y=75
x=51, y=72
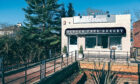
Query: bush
x=104, y=77
x=65, y=49
x=81, y=50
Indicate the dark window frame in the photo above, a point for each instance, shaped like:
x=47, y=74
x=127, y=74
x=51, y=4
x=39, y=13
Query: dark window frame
x=71, y=40
x=89, y=43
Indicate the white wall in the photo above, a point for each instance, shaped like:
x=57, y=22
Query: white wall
x=121, y=21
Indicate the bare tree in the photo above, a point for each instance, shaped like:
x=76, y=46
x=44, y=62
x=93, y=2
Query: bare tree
x=126, y=11
x=4, y=25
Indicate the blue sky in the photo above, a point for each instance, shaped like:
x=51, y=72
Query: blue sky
x=11, y=10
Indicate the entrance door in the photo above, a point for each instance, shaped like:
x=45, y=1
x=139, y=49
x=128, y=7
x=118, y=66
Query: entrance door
x=73, y=43
x=104, y=40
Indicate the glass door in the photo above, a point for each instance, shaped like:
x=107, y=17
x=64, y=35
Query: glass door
x=73, y=43
x=104, y=41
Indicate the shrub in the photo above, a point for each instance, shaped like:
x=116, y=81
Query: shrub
x=81, y=50
x=65, y=49
x=103, y=76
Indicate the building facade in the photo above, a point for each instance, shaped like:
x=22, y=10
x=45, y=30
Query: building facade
x=136, y=36
x=97, y=32
x=9, y=30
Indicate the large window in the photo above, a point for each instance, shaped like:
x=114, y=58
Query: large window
x=73, y=40
x=102, y=41
x=90, y=42
x=115, y=41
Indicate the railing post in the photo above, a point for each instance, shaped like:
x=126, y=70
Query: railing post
x=42, y=69
x=25, y=72
x=75, y=55
x=71, y=56
x=99, y=55
x=67, y=58
x=2, y=67
x=109, y=66
x=138, y=73
x=136, y=53
x=54, y=63
x=114, y=55
x=61, y=60
x=45, y=68
x=111, y=54
x=127, y=56
x=88, y=56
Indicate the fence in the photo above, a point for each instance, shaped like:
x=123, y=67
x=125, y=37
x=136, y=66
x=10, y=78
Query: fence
x=32, y=72
x=106, y=55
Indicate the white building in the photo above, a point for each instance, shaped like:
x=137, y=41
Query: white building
x=100, y=32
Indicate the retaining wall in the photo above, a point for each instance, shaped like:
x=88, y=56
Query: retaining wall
x=115, y=66
x=60, y=75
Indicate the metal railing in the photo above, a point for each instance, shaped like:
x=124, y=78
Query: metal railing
x=106, y=55
x=33, y=72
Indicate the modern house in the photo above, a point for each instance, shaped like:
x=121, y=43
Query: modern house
x=5, y=32
x=97, y=32
x=9, y=30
